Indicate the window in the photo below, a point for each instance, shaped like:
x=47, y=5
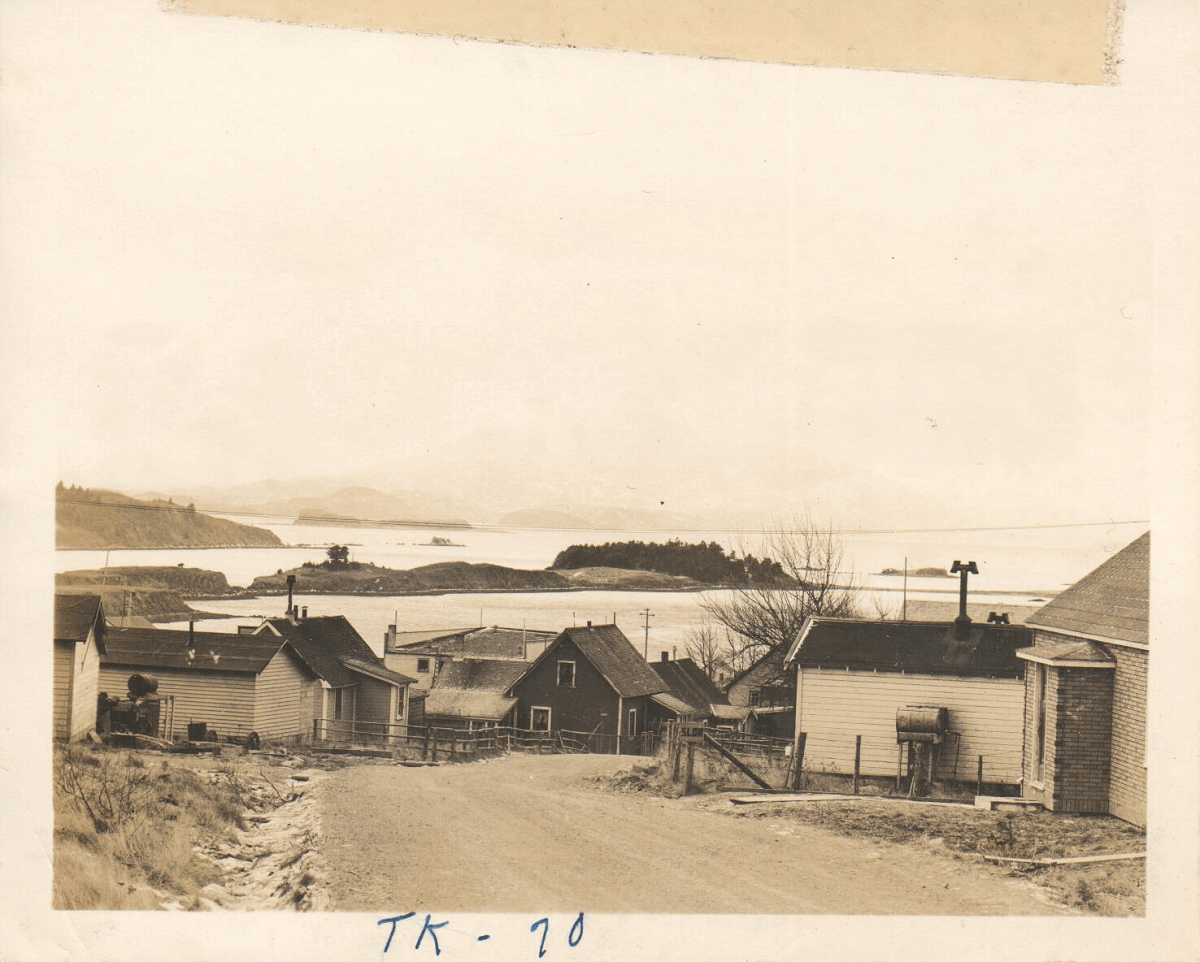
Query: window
x=337, y=703
x=566, y=674
x=400, y=693
x=423, y=665
x=632, y=723
x=1039, y=701
x=539, y=719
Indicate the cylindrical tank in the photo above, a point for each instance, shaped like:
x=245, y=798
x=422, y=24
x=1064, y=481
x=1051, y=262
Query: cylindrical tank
x=142, y=685
x=922, y=722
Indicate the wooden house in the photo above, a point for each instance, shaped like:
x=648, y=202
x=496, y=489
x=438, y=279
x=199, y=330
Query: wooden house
x=233, y=684
x=691, y=696
x=589, y=680
x=1085, y=692
x=353, y=694
x=473, y=693
x=422, y=654
x=79, y=643
x=853, y=677
x=768, y=688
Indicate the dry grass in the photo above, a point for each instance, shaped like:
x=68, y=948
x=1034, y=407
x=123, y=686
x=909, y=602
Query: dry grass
x=1111, y=888
x=125, y=832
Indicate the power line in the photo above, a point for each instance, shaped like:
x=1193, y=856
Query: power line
x=336, y=520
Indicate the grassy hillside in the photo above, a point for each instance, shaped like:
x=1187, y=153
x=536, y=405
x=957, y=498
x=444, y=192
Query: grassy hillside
x=89, y=518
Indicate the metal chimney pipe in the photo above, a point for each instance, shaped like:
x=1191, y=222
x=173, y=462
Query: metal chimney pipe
x=191, y=634
x=291, y=581
x=962, y=624
x=304, y=612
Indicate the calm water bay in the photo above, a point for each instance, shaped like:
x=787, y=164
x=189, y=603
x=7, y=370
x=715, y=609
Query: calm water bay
x=1032, y=563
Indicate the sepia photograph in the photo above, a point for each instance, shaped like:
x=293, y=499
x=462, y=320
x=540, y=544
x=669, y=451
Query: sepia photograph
x=652, y=493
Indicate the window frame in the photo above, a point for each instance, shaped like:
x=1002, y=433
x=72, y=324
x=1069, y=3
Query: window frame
x=425, y=662
x=574, y=673
x=533, y=710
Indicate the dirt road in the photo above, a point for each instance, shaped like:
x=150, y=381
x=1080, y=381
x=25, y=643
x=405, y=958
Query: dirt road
x=531, y=834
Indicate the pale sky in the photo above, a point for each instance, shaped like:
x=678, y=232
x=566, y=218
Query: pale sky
x=256, y=251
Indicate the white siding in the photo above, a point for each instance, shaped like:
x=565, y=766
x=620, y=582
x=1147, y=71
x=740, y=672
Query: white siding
x=277, y=707
x=836, y=705
x=224, y=701
x=85, y=688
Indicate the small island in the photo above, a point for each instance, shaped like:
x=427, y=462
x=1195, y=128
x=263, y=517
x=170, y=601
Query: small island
x=437, y=541
x=918, y=572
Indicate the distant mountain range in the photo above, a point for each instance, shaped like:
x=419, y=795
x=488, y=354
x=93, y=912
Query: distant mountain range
x=92, y=518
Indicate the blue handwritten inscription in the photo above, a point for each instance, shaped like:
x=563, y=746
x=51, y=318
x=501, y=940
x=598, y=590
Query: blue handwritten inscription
x=431, y=928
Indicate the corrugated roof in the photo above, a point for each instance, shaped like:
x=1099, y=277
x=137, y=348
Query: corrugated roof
x=926, y=647
x=481, y=674
x=687, y=681
x=457, y=703
x=677, y=705
x=76, y=615
x=323, y=642
x=612, y=654
x=139, y=648
x=418, y=639
x=1111, y=602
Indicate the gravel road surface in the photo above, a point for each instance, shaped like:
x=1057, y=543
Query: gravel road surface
x=526, y=833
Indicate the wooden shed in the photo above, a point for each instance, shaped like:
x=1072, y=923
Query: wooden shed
x=79, y=643
x=234, y=684
x=691, y=696
x=853, y=677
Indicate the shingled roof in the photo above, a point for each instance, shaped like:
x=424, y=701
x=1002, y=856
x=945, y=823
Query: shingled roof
x=1111, y=603
x=481, y=674
x=928, y=647
x=138, y=648
x=76, y=615
x=490, y=642
x=328, y=643
x=612, y=654
x=458, y=703
x=688, y=683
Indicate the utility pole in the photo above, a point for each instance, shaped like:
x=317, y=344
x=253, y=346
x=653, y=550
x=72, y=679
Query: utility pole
x=646, y=616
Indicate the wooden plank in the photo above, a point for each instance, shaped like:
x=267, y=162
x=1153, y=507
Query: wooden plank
x=729, y=757
x=1077, y=860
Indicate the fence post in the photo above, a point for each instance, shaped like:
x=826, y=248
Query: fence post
x=425, y=746
x=676, y=753
x=979, y=778
x=798, y=761
x=691, y=758
x=857, y=757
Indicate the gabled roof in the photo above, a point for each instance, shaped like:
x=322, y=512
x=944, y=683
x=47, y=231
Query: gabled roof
x=688, y=682
x=481, y=674
x=401, y=640
x=458, y=703
x=732, y=711
x=76, y=615
x=1111, y=603
x=137, y=648
x=611, y=654
x=924, y=647
x=324, y=642
x=774, y=657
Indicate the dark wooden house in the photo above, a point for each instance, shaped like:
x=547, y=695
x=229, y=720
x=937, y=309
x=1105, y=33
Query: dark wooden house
x=691, y=696
x=590, y=680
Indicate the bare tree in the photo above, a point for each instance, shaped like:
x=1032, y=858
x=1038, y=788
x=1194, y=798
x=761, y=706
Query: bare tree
x=762, y=618
x=716, y=651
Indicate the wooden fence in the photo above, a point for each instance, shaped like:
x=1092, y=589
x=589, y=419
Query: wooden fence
x=449, y=743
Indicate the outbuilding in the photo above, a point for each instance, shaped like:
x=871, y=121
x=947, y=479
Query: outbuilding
x=858, y=678
x=79, y=643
